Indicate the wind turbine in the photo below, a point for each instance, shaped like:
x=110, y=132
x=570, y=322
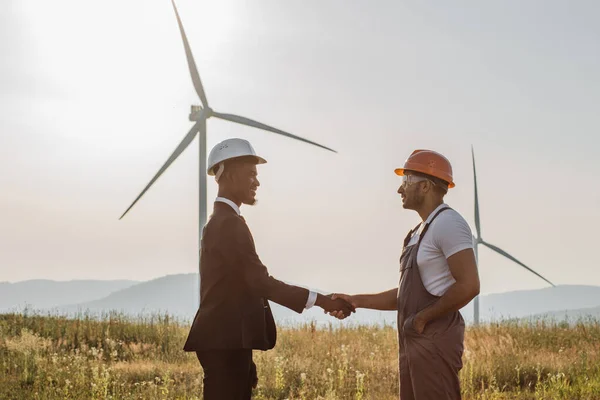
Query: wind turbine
x=199, y=115
x=478, y=240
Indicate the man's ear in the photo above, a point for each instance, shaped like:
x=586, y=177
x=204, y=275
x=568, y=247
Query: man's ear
x=229, y=174
x=425, y=187
x=430, y=185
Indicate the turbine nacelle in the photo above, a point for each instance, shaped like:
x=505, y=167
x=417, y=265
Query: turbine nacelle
x=195, y=113
x=198, y=112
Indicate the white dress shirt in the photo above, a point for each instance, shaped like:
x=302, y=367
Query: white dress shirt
x=312, y=296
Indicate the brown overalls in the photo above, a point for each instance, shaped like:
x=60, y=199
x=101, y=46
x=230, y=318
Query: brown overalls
x=429, y=362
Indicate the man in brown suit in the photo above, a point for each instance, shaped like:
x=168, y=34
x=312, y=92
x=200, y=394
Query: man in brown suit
x=234, y=317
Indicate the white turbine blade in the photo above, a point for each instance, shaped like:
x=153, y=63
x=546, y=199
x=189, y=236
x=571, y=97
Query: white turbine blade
x=477, y=220
x=255, y=124
x=505, y=254
x=191, y=63
x=182, y=146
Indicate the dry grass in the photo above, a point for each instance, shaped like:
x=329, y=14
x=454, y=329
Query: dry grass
x=51, y=357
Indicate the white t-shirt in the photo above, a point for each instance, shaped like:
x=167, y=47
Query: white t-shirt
x=448, y=234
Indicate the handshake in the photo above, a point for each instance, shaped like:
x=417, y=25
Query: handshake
x=337, y=305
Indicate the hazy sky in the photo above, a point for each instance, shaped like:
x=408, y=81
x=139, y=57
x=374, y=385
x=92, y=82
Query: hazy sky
x=94, y=97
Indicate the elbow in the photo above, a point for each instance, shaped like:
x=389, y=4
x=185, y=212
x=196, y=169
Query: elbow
x=259, y=286
x=470, y=290
x=475, y=289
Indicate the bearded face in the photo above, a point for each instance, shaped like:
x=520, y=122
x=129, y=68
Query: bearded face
x=412, y=192
x=241, y=180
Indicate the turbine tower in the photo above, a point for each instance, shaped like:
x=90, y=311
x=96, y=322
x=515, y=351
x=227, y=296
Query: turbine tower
x=199, y=115
x=478, y=240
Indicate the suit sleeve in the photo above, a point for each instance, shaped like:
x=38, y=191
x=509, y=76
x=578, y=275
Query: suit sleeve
x=239, y=249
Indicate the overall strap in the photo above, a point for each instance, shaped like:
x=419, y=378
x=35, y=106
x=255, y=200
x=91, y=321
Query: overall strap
x=410, y=234
x=429, y=223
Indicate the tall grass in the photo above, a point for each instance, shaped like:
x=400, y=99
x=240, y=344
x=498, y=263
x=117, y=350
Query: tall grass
x=116, y=357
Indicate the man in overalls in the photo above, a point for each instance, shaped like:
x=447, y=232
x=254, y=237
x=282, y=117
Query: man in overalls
x=438, y=276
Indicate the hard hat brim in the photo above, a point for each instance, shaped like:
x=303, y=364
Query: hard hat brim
x=259, y=160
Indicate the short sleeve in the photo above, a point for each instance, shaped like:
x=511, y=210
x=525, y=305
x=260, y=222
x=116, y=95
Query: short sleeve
x=452, y=233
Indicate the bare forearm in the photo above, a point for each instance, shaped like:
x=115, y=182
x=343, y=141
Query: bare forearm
x=455, y=298
x=385, y=301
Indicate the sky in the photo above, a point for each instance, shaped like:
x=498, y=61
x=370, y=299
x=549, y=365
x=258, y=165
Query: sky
x=94, y=96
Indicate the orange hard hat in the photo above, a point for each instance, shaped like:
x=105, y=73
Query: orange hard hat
x=428, y=162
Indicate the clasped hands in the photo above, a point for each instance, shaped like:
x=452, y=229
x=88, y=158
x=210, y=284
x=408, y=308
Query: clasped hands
x=418, y=322
x=336, y=305
x=346, y=299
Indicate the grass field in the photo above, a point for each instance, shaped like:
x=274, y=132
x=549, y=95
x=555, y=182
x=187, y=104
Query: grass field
x=52, y=357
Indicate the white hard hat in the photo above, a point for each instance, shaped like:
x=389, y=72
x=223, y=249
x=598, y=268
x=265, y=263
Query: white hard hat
x=228, y=149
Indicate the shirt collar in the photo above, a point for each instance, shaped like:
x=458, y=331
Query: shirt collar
x=428, y=220
x=230, y=203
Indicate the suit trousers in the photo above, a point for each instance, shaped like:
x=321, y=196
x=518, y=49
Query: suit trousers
x=228, y=374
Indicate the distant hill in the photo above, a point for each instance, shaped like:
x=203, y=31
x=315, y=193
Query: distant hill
x=178, y=295
x=175, y=294
x=41, y=293
x=533, y=302
x=572, y=316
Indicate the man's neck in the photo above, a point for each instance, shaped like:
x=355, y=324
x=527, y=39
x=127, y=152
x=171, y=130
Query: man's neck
x=229, y=196
x=427, y=208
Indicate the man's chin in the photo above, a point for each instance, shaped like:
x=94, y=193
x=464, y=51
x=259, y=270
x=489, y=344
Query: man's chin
x=251, y=202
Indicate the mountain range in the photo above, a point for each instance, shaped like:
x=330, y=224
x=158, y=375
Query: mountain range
x=42, y=293
x=178, y=296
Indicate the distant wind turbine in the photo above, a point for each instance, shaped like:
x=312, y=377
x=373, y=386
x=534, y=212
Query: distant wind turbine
x=479, y=240
x=199, y=115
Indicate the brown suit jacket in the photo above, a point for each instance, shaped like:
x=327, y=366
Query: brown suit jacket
x=234, y=287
